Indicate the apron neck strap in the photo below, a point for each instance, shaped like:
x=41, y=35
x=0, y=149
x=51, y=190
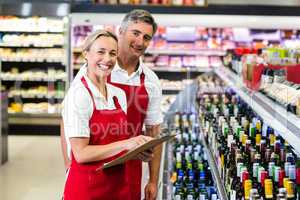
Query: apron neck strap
x=142, y=78
x=89, y=90
x=109, y=78
x=116, y=102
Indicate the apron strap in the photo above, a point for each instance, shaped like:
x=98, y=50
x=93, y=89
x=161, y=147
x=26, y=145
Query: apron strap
x=116, y=102
x=90, y=92
x=109, y=78
x=142, y=78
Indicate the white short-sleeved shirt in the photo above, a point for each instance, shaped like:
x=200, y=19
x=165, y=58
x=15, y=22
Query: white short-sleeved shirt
x=78, y=107
x=152, y=84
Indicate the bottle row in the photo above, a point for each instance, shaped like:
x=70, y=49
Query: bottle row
x=253, y=160
x=191, y=177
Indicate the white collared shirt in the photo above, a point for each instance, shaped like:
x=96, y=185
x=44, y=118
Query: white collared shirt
x=152, y=84
x=78, y=107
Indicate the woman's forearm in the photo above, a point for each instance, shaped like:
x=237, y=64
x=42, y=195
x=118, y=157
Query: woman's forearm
x=83, y=152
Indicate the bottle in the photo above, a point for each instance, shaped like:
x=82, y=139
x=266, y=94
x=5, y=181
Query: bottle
x=268, y=189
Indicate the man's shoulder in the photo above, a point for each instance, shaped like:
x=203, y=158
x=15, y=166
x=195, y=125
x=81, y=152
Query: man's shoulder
x=150, y=74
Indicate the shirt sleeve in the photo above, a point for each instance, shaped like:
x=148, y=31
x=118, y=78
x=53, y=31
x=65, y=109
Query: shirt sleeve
x=154, y=114
x=77, y=111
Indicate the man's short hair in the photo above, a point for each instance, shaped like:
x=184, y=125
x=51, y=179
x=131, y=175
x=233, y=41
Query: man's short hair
x=138, y=15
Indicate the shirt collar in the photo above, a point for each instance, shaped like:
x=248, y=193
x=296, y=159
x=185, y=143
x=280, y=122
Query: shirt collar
x=138, y=71
x=96, y=93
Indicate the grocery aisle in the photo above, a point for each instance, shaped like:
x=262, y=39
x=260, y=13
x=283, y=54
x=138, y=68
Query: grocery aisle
x=35, y=169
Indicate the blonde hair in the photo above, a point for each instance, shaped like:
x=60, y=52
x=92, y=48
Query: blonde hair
x=90, y=39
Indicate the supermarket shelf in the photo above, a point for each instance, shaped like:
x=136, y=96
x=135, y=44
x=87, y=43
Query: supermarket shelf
x=182, y=69
x=210, y=9
x=202, y=52
x=171, y=89
x=35, y=97
x=34, y=119
x=284, y=122
x=30, y=32
x=30, y=46
x=215, y=172
x=32, y=60
x=33, y=80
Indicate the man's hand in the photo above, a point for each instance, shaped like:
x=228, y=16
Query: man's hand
x=150, y=191
x=146, y=156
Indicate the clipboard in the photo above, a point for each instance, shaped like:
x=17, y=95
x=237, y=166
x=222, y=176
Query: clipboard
x=132, y=153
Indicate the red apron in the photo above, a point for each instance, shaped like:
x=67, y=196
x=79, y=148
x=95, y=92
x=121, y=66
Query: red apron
x=137, y=104
x=84, y=182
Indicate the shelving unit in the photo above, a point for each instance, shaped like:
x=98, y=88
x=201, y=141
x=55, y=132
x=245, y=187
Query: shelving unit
x=182, y=69
x=215, y=172
x=185, y=102
x=34, y=119
x=285, y=123
x=187, y=52
x=25, y=49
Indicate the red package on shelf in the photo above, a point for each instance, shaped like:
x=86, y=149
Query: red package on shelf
x=293, y=73
x=252, y=75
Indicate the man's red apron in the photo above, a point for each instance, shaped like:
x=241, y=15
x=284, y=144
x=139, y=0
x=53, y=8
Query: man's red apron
x=84, y=182
x=137, y=104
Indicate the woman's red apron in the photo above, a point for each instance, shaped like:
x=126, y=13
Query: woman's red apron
x=84, y=182
x=137, y=104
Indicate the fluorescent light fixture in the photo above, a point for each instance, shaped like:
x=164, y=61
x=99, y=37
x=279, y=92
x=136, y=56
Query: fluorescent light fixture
x=26, y=9
x=62, y=10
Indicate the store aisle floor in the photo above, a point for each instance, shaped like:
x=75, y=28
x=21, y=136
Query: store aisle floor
x=35, y=169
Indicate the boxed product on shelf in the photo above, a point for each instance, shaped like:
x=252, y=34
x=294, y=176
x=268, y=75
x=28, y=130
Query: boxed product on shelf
x=26, y=40
x=33, y=55
x=30, y=24
x=34, y=108
x=37, y=75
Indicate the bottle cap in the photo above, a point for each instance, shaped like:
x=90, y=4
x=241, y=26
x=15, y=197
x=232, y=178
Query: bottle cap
x=292, y=172
x=238, y=169
x=268, y=188
x=244, y=139
x=245, y=176
x=298, y=176
x=286, y=167
x=248, y=186
x=290, y=189
x=281, y=177
x=285, y=182
x=255, y=169
x=260, y=169
x=263, y=177
x=270, y=168
x=276, y=174
x=257, y=139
